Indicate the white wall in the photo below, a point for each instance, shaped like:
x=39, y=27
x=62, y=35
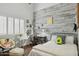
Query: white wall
x=20, y=10
x=39, y=6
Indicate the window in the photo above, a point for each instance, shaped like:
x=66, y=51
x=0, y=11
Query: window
x=17, y=26
x=2, y=25
x=21, y=26
x=10, y=25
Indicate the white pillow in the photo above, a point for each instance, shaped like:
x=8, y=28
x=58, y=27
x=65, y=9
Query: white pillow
x=53, y=38
x=69, y=40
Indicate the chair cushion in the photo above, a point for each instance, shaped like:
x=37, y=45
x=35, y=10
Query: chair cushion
x=3, y=41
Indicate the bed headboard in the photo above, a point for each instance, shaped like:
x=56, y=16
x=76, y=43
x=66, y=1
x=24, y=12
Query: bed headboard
x=75, y=34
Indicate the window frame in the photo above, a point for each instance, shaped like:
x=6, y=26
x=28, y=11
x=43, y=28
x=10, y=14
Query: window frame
x=7, y=25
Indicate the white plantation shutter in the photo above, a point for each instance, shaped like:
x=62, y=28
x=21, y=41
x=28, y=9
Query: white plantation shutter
x=21, y=26
x=2, y=25
x=17, y=26
x=10, y=25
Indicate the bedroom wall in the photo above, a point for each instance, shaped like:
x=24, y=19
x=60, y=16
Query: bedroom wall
x=39, y=6
x=64, y=17
x=21, y=10
x=17, y=10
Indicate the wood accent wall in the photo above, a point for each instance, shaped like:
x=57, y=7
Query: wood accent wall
x=78, y=14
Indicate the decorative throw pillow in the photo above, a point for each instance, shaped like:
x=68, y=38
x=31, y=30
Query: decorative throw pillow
x=69, y=39
x=63, y=39
x=59, y=40
x=53, y=38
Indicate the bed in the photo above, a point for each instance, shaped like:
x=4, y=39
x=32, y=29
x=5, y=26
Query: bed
x=52, y=49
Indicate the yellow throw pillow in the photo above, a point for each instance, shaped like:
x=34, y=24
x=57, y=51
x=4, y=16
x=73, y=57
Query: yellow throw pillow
x=59, y=40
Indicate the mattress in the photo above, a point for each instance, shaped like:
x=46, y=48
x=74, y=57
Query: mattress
x=52, y=49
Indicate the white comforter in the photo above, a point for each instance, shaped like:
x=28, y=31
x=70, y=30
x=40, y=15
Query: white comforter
x=51, y=48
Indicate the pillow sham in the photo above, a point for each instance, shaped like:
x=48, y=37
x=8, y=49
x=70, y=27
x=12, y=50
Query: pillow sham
x=59, y=40
x=63, y=39
x=69, y=40
x=53, y=38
